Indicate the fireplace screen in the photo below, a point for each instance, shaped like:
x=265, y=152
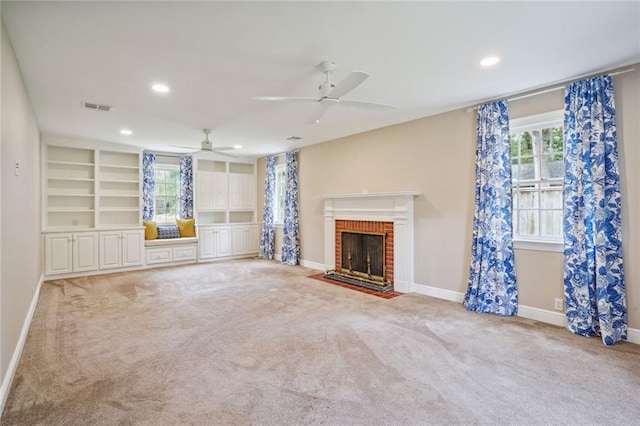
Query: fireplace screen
x=363, y=254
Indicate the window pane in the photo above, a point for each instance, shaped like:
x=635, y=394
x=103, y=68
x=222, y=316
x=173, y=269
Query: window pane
x=551, y=223
x=514, y=145
x=551, y=198
x=528, y=199
x=525, y=171
x=527, y=222
x=551, y=168
x=526, y=144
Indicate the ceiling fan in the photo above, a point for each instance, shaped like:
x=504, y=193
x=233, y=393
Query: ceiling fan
x=331, y=94
x=207, y=146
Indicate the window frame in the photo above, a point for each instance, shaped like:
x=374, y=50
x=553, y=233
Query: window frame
x=278, y=195
x=166, y=168
x=520, y=125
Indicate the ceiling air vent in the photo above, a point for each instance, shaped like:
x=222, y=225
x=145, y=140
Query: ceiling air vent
x=294, y=138
x=96, y=107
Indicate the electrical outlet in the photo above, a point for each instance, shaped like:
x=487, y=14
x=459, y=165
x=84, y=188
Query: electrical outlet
x=16, y=168
x=558, y=305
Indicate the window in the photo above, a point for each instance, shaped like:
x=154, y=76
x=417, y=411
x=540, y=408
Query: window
x=537, y=176
x=278, y=197
x=167, y=193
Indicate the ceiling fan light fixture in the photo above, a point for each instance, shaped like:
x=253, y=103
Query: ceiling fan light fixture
x=237, y=147
x=126, y=132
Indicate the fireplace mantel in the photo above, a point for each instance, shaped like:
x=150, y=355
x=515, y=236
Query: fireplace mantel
x=396, y=207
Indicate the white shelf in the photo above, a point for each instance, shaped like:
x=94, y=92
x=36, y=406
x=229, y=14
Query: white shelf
x=103, y=195
x=119, y=181
x=68, y=210
x=70, y=179
x=70, y=195
x=116, y=166
x=70, y=163
x=118, y=209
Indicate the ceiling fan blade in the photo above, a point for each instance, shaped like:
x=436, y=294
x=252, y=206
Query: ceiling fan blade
x=219, y=152
x=285, y=99
x=223, y=148
x=186, y=147
x=319, y=113
x=366, y=104
x=347, y=84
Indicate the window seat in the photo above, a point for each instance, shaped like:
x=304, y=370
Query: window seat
x=170, y=242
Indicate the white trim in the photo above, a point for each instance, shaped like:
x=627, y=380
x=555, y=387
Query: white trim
x=546, y=119
x=633, y=336
x=438, y=293
x=277, y=257
x=542, y=315
x=313, y=265
x=17, y=353
x=365, y=193
x=552, y=246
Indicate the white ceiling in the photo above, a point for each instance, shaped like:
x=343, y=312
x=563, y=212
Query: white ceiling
x=216, y=56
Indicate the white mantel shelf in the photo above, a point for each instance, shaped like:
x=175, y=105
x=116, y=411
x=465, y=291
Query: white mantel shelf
x=396, y=207
x=372, y=195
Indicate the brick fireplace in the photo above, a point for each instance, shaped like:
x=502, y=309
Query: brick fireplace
x=384, y=228
x=390, y=214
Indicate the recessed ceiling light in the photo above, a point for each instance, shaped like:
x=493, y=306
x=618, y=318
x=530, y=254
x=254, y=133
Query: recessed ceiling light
x=237, y=146
x=489, y=61
x=160, y=88
x=126, y=132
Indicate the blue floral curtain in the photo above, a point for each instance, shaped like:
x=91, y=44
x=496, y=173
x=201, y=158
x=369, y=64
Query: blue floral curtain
x=291, y=239
x=186, y=187
x=492, y=276
x=148, y=186
x=593, y=273
x=268, y=238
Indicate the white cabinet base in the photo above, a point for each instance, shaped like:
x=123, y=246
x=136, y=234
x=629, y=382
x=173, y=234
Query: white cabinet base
x=172, y=255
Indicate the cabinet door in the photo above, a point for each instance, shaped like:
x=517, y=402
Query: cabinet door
x=252, y=244
x=85, y=252
x=204, y=190
x=132, y=248
x=110, y=250
x=206, y=237
x=223, y=241
x=235, y=191
x=220, y=190
x=58, y=254
x=248, y=192
x=239, y=237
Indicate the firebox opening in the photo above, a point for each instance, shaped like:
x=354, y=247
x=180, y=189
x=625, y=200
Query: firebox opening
x=362, y=260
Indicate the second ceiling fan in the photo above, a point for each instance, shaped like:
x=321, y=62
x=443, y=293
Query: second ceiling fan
x=331, y=94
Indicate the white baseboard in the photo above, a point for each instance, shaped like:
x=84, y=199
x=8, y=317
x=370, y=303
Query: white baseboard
x=17, y=353
x=278, y=257
x=542, y=315
x=633, y=336
x=313, y=265
x=438, y=293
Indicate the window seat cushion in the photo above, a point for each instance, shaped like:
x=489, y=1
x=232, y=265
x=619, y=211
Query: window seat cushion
x=171, y=242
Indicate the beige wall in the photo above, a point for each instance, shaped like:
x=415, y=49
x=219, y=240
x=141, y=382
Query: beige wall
x=435, y=156
x=21, y=260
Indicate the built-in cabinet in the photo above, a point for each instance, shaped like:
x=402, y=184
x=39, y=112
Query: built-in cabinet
x=245, y=239
x=224, y=241
x=92, y=209
x=68, y=252
x=121, y=249
x=215, y=241
x=91, y=217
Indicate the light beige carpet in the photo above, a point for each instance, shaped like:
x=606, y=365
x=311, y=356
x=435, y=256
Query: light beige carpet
x=256, y=342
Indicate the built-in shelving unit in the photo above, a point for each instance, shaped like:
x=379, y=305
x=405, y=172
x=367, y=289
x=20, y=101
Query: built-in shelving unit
x=119, y=189
x=91, y=188
x=70, y=188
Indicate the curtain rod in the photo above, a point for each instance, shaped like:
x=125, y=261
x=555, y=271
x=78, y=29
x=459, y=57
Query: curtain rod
x=553, y=89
